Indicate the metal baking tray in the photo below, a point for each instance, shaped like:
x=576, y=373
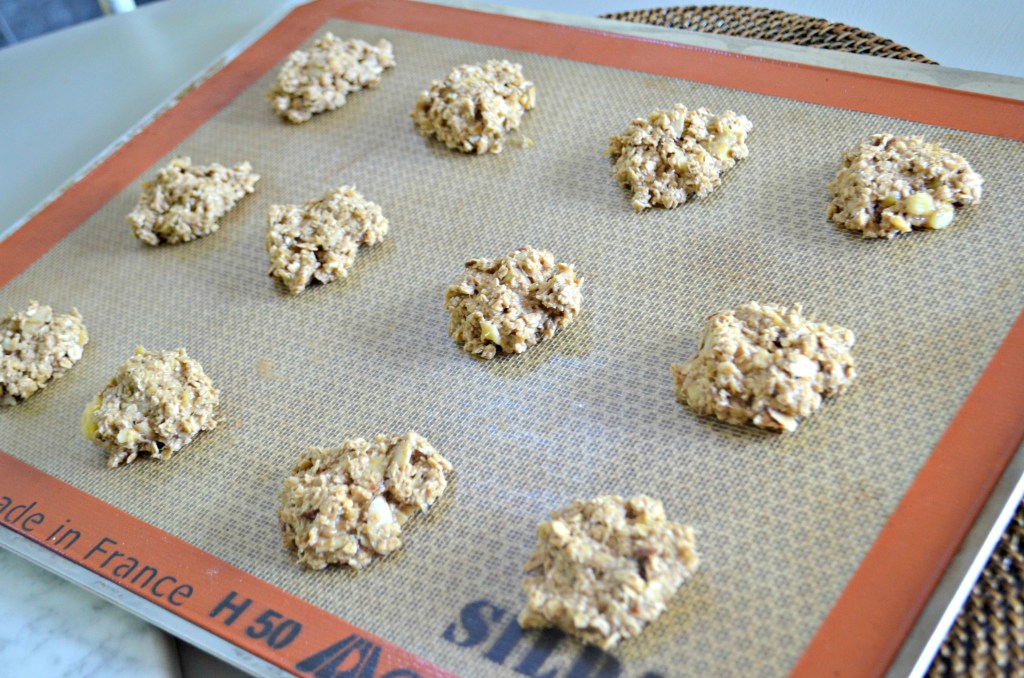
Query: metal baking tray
x=821, y=549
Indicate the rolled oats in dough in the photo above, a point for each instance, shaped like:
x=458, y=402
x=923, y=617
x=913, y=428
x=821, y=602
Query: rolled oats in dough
x=37, y=346
x=186, y=202
x=476, y=106
x=765, y=365
x=320, y=79
x=319, y=240
x=511, y=303
x=893, y=184
x=347, y=505
x=675, y=153
x=603, y=569
x=157, y=403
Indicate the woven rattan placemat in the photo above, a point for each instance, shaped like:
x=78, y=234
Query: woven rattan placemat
x=987, y=638
x=774, y=25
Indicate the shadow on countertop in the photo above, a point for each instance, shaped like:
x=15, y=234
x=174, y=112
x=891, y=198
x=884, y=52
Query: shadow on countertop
x=21, y=20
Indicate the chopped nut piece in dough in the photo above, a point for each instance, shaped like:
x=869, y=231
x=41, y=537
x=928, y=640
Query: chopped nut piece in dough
x=157, y=403
x=675, y=153
x=346, y=505
x=605, y=568
x=320, y=79
x=512, y=302
x=319, y=240
x=185, y=201
x=765, y=365
x=893, y=184
x=476, y=106
x=36, y=346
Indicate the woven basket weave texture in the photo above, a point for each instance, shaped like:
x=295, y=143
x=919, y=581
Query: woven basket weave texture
x=774, y=25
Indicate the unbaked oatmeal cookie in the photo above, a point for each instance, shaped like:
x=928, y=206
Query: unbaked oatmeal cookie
x=347, y=505
x=186, y=202
x=319, y=240
x=321, y=78
x=511, y=303
x=893, y=184
x=476, y=106
x=157, y=403
x=37, y=346
x=676, y=153
x=765, y=365
x=603, y=569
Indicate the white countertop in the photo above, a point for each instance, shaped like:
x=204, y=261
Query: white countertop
x=69, y=95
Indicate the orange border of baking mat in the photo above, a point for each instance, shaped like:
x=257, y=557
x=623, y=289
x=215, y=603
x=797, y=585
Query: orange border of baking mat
x=874, y=614
x=245, y=610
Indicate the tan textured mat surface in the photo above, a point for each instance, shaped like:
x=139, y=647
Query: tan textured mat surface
x=783, y=520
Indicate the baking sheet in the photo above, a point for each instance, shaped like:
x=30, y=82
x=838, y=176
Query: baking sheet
x=781, y=519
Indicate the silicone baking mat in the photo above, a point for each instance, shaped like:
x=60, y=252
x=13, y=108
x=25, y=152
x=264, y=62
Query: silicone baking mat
x=784, y=521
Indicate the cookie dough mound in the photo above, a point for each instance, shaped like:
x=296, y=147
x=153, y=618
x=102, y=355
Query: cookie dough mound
x=476, y=106
x=319, y=240
x=676, y=153
x=321, y=79
x=605, y=568
x=347, y=505
x=185, y=201
x=512, y=302
x=37, y=346
x=893, y=184
x=156, y=404
x=765, y=365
